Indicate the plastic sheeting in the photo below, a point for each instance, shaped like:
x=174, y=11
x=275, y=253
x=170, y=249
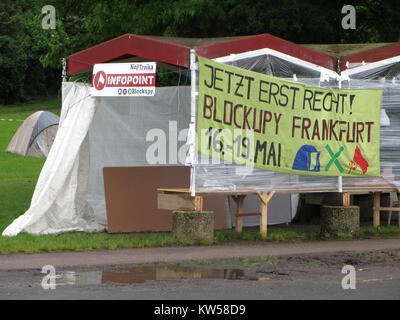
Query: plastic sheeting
x=221, y=176
x=140, y=131
x=377, y=70
x=276, y=66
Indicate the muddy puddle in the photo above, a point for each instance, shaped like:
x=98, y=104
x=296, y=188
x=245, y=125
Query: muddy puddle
x=147, y=273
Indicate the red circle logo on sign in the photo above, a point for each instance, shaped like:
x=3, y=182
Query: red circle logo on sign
x=99, y=81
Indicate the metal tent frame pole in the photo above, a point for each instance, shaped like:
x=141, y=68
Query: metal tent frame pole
x=193, y=102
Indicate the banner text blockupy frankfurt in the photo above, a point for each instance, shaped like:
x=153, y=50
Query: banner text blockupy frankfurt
x=257, y=120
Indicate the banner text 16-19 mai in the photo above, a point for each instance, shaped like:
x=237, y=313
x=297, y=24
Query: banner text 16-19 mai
x=266, y=122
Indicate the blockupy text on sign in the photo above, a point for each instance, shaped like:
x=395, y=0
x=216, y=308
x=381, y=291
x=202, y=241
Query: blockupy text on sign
x=286, y=126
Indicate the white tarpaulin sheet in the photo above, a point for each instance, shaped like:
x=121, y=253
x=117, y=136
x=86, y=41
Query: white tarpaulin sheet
x=98, y=132
x=59, y=202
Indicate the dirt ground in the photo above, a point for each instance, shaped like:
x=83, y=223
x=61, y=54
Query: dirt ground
x=306, y=275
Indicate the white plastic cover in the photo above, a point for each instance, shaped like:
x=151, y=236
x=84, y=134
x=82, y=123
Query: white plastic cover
x=388, y=69
x=59, y=202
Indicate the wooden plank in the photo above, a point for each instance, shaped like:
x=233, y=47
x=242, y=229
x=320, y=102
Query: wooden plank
x=198, y=203
x=248, y=214
x=376, y=210
x=346, y=199
x=174, y=190
x=239, y=211
x=264, y=214
x=289, y=189
x=389, y=209
x=208, y=193
x=265, y=198
x=175, y=202
x=270, y=195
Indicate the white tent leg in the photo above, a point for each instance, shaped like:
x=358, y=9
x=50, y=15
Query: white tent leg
x=193, y=100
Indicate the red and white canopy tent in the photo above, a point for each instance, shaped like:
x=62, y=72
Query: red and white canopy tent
x=171, y=52
x=63, y=209
x=337, y=62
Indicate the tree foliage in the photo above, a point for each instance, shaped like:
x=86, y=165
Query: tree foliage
x=13, y=57
x=30, y=57
x=28, y=53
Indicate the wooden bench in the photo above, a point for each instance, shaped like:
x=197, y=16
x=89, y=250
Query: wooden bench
x=180, y=199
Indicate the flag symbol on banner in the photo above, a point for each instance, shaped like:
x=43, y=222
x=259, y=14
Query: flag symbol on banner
x=359, y=160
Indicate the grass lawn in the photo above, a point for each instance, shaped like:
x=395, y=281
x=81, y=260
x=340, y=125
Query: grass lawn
x=18, y=176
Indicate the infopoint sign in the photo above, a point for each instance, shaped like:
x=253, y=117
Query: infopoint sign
x=124, y=79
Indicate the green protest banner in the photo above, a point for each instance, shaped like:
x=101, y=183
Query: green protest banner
x=266, y=122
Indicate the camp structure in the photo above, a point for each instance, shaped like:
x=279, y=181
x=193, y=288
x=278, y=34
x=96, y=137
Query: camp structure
x=35, y=136
x=123, y=163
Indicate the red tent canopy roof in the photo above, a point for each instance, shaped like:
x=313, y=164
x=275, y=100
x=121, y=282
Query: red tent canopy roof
x=131, y=45
x=373, y=55
x=175, y=51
